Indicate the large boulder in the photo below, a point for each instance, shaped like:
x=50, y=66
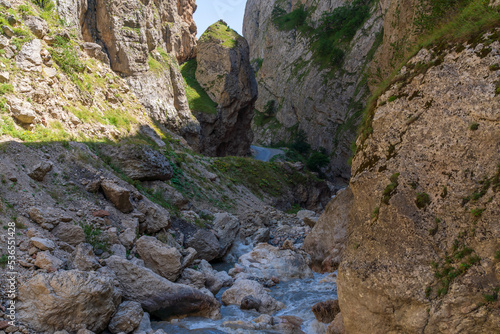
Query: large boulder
x=226, y=227
x=127, y=318
x=162, y=259
x=83, y=258
x=326, y=242
x=225, y=73
x=69, y=233
x=39, y=171
x=29, y=58
x=214, y=280
x=47, y=261
x=243, y=288
x=326, y=311
x=266, y=261
x=68, y=300
x=37, y=25
x=118, y=195
x=23, y=111
x=139, y=162
x=43, y=244
x=205, y=243
x=159, y=296
x=153, y=217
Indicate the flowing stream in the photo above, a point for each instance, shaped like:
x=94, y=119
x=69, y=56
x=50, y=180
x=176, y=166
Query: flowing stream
x=298, y=296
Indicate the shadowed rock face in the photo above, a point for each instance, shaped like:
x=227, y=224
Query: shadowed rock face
x=225, y=73
x=421, y=258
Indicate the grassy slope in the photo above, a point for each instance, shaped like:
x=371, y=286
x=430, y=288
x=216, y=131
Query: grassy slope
x=198, y=99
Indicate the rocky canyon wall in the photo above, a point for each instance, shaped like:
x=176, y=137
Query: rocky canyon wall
x=423, y=235
x=144, y=42
x=324, y=102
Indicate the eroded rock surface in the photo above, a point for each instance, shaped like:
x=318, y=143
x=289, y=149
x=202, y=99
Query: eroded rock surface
x=225, y=73
x=166, y=299
x=68, y=300
x=423, y=227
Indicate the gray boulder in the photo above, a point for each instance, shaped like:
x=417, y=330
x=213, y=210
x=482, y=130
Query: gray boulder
x=127, y=318
x=244, y=288
x=69, y=233
x=37, y=25
x=29, y=58
x=145, y=325
x=205, y=243
x=153, y=218
x=140, y=162
x=226, y=227
x=118, y=195
x=45, y=260
x=159, y=296
x=40, y=170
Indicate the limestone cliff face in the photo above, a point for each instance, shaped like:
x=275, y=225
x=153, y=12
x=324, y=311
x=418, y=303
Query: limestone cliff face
x=225, y=73
x=306, y=97
x=144, y=41
x=422, y=254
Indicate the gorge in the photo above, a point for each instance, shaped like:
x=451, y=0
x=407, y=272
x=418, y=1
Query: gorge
x=130, y=201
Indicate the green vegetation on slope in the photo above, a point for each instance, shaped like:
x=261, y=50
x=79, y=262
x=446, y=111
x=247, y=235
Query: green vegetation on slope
x=333, y=33
x=197, y=97
x=260, y=177
x=451, y=22
x=221, y=32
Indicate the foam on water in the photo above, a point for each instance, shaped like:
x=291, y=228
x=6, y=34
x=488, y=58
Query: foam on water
x=298, y=296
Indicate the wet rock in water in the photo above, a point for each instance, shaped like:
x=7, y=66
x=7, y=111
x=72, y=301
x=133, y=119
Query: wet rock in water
x=214, y=280
x=68, y=300
x=162, y=259
x=40, y=170
x=243, y=288
x=127, y=318
x=250, y=303
x=119, y=196
x=287, y=324
x=266, y=261
x=159, y=296
x=337, y=326
x=326, y=311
